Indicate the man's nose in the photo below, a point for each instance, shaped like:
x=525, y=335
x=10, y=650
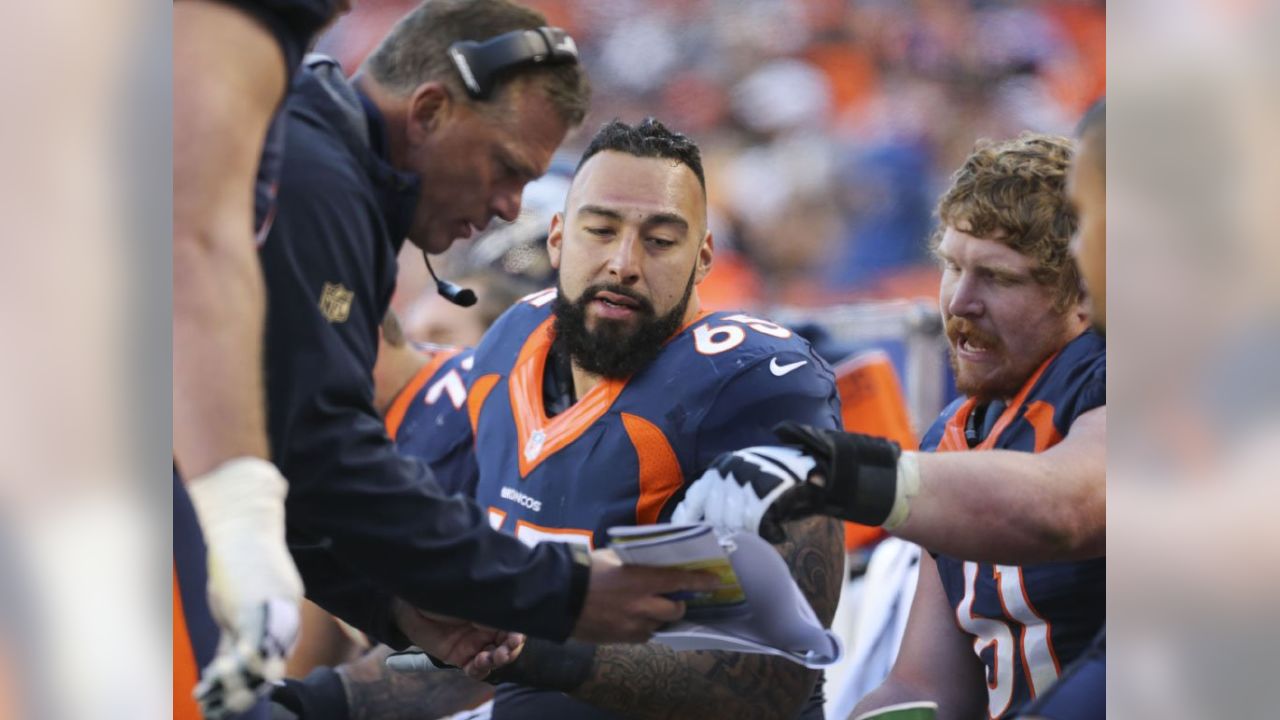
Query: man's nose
x=965, y=299
x=624, y=261
x=506, y=205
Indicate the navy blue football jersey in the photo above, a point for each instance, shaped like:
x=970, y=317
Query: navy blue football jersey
x=294, y=23
x=622, y=454
x=428, y=418
x=1081, y=693
x=1028, y=621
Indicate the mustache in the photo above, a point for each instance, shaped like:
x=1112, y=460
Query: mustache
x=642, y=303
x=958, y=326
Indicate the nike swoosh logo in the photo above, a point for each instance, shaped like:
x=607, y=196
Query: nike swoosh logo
x=781, y=370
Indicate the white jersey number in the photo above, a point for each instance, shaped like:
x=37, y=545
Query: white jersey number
x=1034, y=649
x=452, y=386
x=714, y=339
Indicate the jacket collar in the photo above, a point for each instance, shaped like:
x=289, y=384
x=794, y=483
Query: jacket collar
x=362, y=129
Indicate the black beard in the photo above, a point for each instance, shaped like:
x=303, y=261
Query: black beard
x=611, y=350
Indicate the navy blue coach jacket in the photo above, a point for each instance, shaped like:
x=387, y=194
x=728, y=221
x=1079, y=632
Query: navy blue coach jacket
x=365, y=523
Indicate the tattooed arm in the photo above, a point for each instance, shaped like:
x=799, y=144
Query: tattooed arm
x=654, y=681
x=373, y=691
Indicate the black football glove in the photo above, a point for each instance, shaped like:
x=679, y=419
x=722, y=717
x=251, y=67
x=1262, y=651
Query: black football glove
x=858, y=474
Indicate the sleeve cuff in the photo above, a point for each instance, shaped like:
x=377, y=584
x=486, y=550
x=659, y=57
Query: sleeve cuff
x=319, y=696
x=383, y=627
x=579, y=577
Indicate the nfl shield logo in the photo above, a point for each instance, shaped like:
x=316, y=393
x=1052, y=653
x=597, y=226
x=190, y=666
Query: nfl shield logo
x=335, y=302
x=534, y=446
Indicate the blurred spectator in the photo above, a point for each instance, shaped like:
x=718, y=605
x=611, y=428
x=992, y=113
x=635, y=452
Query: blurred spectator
x=886, y=193
x=433, y=319
x=782, y=196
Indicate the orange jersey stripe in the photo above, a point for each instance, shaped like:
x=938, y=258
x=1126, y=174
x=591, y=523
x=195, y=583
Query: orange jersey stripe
x=1040, y=415
x=399, y=406
x=1012, y=411
x=953, y=434
x=530, y=413
x=480, y=390
x=660, y=475
x=185, y=672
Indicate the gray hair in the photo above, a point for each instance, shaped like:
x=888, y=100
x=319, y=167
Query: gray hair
x=416, y=51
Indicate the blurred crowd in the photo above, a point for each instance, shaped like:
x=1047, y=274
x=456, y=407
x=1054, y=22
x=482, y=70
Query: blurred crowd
x=828, y=126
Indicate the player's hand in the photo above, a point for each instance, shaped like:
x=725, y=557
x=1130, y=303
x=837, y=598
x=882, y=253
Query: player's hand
x=754, y=489
x=254, y=588
x=495, y=657
x=625, y=603
x=475, y=649
x=854, y=477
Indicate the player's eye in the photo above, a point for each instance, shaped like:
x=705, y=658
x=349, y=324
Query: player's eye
x=600, y=231
x=662, y=242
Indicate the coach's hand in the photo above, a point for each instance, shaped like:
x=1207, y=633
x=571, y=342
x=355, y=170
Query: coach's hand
x=854, y=477
x=475, y=649
x=254, y=588
x=625, y=603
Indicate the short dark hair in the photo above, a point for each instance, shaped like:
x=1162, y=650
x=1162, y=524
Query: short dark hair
x=417, y=51
x=649, y=139
x=1093, y=127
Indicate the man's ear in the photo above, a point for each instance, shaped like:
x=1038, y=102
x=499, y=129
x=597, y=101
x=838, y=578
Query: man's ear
x=429, y=106
x=554, y=238
x=705, y=253
x=1083, y=309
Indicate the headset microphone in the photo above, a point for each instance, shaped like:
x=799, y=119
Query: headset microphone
x=460, y=296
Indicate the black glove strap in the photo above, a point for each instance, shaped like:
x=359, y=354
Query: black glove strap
x=548, y=665
x=860, y=472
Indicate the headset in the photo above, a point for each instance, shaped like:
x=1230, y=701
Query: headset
x=453, y=292
x=481, y=64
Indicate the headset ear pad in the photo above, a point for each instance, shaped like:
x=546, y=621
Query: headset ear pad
x=480, y=63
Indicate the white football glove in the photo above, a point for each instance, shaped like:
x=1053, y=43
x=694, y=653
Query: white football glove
x=254, y=588
x=738, y=489
x=854, y=477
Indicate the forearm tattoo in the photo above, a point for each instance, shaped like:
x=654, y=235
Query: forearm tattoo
x=653, y=681
x=373, y=691
x=548, y=665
